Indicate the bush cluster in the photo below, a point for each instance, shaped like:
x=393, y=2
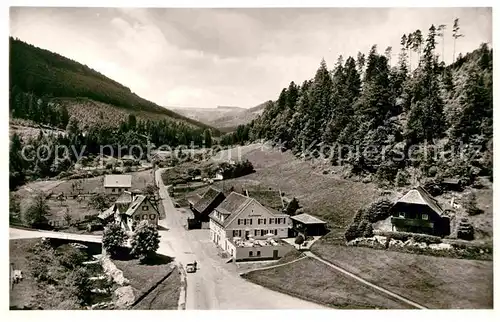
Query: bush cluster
x=361, y=225
x=404, y=236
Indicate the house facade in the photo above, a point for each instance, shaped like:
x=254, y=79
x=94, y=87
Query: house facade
x=418, y=212
x=115, y=184
x=129, y=210
x=241, y=217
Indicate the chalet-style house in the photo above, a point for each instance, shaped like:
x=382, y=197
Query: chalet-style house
x=418, y=212
x=129, y=209
x=307, y=225
x=115, y=184
x=239, y=218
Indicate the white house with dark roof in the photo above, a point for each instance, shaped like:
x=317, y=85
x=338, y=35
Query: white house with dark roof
x=240, y=217
x=115, y=184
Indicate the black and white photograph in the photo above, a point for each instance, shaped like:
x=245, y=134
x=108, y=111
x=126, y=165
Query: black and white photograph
x=259, y=158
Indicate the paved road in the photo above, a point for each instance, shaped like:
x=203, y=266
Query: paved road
x=15, y=233
x=216, y=285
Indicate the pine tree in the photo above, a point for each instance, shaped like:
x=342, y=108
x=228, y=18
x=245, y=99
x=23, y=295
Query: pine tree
x=440, y=33
x=456, y=34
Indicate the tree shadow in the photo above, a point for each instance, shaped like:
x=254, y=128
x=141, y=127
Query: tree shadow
x=158, y=259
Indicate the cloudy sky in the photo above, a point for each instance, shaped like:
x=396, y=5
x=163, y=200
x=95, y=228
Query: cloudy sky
x=237, y=57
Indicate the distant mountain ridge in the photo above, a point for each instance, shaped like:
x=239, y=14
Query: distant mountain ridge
x=225, y=118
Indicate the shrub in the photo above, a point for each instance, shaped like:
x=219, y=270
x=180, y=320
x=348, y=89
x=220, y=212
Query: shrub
x=465, y=230
x=113, y=238
x=35, y=213
x=99, y=201
x=145, y=241
x=378, y=210
x=433, y=186
x=402, y=178
x=109, y=166
x=292, y=207
x=80, y=285
x=39, y=271
x=352, y=231
x=368, y=230
x=70, y=257
x=470, y=204
x=404, y=236
x=299, y=240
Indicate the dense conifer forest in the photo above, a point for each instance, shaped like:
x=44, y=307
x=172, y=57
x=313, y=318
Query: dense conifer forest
x=400, y=115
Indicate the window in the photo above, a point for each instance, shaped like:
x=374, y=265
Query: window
x=259, y=221
x=250, y=220
x=144, y=217
x=239, y=221
x=271, y=221
x=145, y=208
x=401, y=214
x=258, y=253
x=152, y=217
x=425, y=217
x=250, y=253
x=113, y=190
x=264, y=220
x=257, y=232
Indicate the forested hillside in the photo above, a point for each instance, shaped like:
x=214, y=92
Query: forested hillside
x=37, y=76
x=390, y=122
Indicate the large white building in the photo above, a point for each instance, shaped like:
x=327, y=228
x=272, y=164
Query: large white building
x=240, y=217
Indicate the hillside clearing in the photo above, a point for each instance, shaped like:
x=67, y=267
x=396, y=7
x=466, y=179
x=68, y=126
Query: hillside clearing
x=313, y=280
x=435, y=282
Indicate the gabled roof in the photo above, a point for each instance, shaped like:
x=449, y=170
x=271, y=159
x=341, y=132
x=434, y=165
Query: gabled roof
x=267, y=198
x=233, y=205
x=419, y=196
x=207, y=199
x=138, y=200
x=124, y=198
x=107, y=213
x=118, y=180
x=307, y=219
x=193, y=199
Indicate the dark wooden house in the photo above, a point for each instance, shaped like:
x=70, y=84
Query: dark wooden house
x=307, y=225
x=418, y=212
x=208, y=202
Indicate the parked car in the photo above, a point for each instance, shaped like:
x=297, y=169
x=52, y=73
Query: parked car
x=191, y=268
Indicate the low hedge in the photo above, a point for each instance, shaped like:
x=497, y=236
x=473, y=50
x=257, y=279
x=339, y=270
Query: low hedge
x=404, y=236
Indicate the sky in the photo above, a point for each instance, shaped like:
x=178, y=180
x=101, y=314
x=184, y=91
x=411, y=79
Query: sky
x=231, y=57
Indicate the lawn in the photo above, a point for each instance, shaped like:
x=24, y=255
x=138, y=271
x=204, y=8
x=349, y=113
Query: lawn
x=165, y=296
x=52, y=291
x=315, y=281
x=143, y=277
x=77, y=209
x=435, y=282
